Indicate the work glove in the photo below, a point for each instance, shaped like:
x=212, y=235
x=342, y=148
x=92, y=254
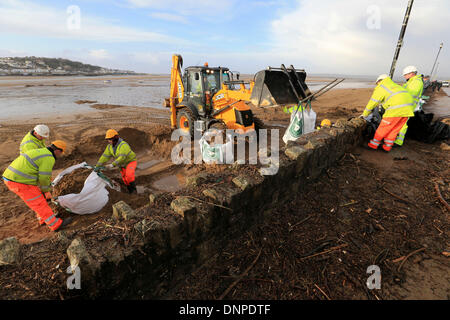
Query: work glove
x=109, y=166
x=48, y=196
x=368, y=118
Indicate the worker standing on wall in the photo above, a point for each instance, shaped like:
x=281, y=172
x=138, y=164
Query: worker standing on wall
x=35, y=139
x=414, y=85
x=124, y=158
x=398, y=104
x=29, y=177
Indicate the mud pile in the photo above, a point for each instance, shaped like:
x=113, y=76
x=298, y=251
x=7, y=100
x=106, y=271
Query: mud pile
x=160, y=141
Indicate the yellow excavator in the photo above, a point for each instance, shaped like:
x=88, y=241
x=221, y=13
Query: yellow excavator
x=205, y=97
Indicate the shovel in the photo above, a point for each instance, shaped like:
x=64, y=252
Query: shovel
x=111, y=183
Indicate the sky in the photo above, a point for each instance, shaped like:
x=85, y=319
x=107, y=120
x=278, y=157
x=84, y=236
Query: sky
x=352, y=37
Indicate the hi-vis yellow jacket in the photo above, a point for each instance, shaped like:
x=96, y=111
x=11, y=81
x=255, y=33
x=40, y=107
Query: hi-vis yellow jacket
x=397, y=101
x=30, y=142
x=32, y=167
x=121, y=153
x=414, y=86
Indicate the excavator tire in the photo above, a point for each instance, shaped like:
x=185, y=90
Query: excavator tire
x=185, y=121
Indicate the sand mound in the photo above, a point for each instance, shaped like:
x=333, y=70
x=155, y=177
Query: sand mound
x=94, y=146
x=85, y=101
x=156, y=140
x=160, y=142
x=100, y=106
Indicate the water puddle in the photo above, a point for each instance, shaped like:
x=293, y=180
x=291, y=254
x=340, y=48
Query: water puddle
x=170, y=183
x=147, y=164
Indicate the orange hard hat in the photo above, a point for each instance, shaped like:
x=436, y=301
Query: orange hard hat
x=325, y=123
x=111, y=133
x=60, y=145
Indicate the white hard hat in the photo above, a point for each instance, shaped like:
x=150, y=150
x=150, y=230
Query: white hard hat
x=382, y=77
x=409, y=69
x=42, y=130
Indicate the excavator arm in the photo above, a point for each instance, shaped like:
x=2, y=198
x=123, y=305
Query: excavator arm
x=176, y=88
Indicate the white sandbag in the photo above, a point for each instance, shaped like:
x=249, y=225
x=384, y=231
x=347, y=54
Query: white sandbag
x=92, y=198
x=301, y=123
x=218, y=153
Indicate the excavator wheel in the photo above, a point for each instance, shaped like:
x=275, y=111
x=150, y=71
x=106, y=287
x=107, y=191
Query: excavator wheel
x=185, y=120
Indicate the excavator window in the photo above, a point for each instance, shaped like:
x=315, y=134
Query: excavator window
x=212, y=81
x=226, y=76
x=195, y=84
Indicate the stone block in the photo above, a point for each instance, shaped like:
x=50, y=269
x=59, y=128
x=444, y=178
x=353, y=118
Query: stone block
x=151, y=230
x=212, y=194
x=9, y=251
x=175, y=234
x=242, y=182
x=295, y=152
x=80, y=257
x=357, y=123
x=341, y=123
x=183, y=205
x=197, y=180
x=153, y=197
x=121, y=210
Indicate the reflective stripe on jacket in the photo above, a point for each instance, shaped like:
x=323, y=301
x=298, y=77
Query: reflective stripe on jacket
x=397, y=101
x=121, y=153
x=30, y=142
x=414, y=86
x=33, y=167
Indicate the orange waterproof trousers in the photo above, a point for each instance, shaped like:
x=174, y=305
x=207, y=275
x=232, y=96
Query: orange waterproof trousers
x=128, y=173
x=35, y=200
x=387, y=130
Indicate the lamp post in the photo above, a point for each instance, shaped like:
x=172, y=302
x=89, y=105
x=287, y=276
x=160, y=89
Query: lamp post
x=440, y=48
x=400, y=38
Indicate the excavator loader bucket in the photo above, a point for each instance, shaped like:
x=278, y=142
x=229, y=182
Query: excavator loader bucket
x=279, y=86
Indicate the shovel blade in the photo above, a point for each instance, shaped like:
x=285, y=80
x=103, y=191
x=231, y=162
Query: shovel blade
x=273, y=87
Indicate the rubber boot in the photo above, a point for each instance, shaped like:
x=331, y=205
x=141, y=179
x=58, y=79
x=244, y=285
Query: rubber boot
x=132, y=187
x=65, y=222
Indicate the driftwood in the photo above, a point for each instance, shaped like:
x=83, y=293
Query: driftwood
x=436, y=187
x=409, y=255
x=240, y=277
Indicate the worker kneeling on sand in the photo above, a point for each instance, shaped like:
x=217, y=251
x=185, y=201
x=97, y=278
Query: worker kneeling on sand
x=29, y=176
x=35, y=139
x=124, y=158
x=414, y=85
x=398, y=104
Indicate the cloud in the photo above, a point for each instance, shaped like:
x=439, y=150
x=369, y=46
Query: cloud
x=22, y=17
x=202, y=9
x=99, y=54
x=341, y=36
x=169, y=17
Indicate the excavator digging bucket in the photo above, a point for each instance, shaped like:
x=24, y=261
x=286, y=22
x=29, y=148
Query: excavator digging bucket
x=275, y=87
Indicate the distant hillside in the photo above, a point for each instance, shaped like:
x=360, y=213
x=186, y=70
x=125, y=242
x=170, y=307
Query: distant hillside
x=52, y=66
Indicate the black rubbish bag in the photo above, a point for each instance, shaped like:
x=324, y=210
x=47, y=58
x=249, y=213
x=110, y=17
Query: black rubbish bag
x=421, y=128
